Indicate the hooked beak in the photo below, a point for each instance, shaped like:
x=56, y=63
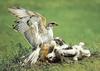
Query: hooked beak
x=54, y=24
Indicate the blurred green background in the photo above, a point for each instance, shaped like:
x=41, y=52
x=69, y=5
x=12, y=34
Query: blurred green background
x=79, y=20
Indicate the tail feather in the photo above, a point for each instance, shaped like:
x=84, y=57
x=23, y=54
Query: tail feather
x=33, y=56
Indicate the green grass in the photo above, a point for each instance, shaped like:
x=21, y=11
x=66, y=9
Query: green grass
x=78, y=20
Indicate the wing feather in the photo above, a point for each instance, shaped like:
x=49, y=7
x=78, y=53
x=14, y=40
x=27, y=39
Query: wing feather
x=21, y=12
x=18, y=12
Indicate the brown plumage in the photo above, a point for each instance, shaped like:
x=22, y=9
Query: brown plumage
x=46, y=48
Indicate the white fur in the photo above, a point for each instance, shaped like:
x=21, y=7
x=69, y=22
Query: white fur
x=86, y=53
x=64, y=46
x=77, y=50
x=51, y=55
x=70, y=52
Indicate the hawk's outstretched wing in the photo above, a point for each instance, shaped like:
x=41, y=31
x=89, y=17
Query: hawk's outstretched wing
x=21, y=12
